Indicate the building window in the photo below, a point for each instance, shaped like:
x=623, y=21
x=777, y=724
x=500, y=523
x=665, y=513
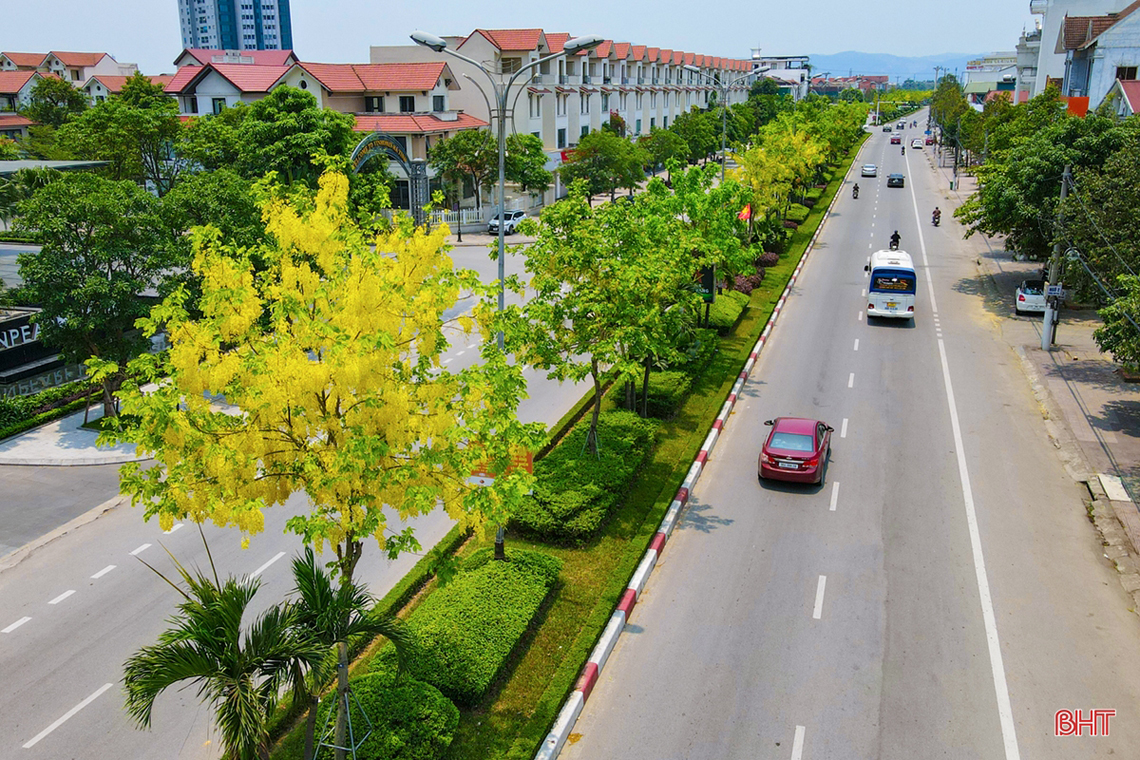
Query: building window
x=75, y=75
x=652, y=123
x=535, y=106
x=537, y=134
x=637, y=128
x=665, y=123
x=407, y=104
x=585, y=103
x=218, y=104
x=638, y=99
x=511, y=65
x=652, y=100
x=562, y=137
x=605, y=101
x=561, y=105
x=1127, y=73
x=373, y=104
x=437, y=103
x=585, y=130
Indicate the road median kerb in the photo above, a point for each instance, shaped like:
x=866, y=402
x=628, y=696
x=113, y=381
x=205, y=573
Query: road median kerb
x=14, y=558
x=572, y=707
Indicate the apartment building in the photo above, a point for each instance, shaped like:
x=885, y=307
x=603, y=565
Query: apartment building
x=236, y=24
x=791, y=72
x=1050, y=55
x=563, y=99
x=1099, y=51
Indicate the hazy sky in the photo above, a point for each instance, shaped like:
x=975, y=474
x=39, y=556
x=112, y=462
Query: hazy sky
x=334, y=31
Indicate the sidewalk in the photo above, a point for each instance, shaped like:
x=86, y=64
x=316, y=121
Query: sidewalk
x=1092, y=415
x=62, y=443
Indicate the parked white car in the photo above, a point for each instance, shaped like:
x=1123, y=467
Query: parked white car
x=1030, y=297
x=512, y=221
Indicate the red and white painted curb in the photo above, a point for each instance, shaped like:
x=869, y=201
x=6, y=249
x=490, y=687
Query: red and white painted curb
x=573, y=705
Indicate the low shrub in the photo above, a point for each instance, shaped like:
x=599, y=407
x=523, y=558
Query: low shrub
x=667, y=391
x=768, y=259
x=411, y=720
x=726, y=311
x=797, y=213
x=699, y=347
x=463, y=634
x=575, y=491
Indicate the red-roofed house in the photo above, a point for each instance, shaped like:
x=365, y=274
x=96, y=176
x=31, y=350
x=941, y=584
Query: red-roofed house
x=1099, y=50
x=13, y=126
x=216, y=86
x=16, y=88
x=200, y=57
x=102, y=86
x=1125, y=97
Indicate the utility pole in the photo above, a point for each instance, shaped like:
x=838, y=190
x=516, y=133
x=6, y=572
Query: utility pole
x=1053, y=303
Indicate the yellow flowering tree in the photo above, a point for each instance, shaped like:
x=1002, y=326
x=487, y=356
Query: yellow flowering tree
x=322, y=375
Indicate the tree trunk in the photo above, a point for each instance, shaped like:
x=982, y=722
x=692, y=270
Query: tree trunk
x=109, y=387
x=645, y=390
x=311, y=725
x=340, y=738
x=592, y=435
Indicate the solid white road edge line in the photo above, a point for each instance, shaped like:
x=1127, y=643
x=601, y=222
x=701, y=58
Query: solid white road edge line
x=798, y=743
x=265, y=567
x=62, y=596
x=834, y=495
x=817, y=611
x=67, y=716
x=1001, y=688
x=15, y=625
x=140, y=550
x=103, y=572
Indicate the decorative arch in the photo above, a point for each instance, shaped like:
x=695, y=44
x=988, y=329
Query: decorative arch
x=384, y=144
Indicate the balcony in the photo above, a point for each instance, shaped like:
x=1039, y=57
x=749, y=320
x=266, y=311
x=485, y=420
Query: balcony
x=587, y=79
x=654, y=80
x=563, y=79
x=540, y=78
x=641, y=80
x=607, y=80
x=625, y=80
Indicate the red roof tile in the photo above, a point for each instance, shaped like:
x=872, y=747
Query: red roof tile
x=182, y=78
x=689, y=58
x=638, y=52
x=415, y=124
x=601, y=51
x=26, y=59
x=621, y=49
x=78, y=59
x=512, y=39
x=12, y=82
x=260, y=57
x=360, y=77
x=9, y=120
x=115, y=83
x=652, y=53
x=249, y=78
x=555, y=40
x=678, y=57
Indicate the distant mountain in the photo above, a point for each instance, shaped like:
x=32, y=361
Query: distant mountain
x=897, y=67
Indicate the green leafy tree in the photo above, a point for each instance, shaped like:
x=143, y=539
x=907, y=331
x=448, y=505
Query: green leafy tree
x=663, y=146
x=525, y=164
x=9, y=149
x=604, y=162
x=54, y=102
x=699, y=132
x=238, y=672
x=616, y=124
x=211, y=141
x=471, y=153
x=103, y=244
x=1119, y=334
x=135, y=131
x=282, y=133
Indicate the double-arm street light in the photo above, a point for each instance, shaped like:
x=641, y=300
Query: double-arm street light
x=722, y=88
x=501, y=92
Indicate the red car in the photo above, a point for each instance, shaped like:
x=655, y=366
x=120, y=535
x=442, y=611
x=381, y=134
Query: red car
x=930, y=139
x=796, y=450
x=896, y=139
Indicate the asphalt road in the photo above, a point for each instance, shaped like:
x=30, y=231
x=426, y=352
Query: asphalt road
x=74, y=610
x=942, y=595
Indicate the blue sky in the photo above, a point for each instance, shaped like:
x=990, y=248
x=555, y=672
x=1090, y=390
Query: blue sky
x=146, y=31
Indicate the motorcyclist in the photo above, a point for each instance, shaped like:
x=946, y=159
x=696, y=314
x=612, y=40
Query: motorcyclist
x=855, y=191
x=937, y=216
x=903, y=151
x=895, y=238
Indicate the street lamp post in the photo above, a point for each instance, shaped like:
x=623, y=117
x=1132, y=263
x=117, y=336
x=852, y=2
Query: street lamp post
x=501, y=92
x=722, y=88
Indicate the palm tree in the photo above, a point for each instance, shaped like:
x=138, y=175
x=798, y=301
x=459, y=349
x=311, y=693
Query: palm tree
x=239, y=675
x=332, y=614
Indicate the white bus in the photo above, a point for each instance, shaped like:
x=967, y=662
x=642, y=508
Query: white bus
x=893, y=284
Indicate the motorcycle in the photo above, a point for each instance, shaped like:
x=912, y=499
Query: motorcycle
x=855, y=193
x=903, y=150
x=894, y=244
x=936, y=219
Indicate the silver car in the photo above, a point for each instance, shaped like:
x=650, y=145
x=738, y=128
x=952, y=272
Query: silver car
x=1030, y=297
x=869, y=170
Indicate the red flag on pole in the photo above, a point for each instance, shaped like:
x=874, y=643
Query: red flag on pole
x=745, y=213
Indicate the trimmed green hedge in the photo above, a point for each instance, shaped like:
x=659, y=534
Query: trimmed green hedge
x=667, y=391
x=726, y=311
x=21, y=413
x=464, y=632
x=575, y=491
x=411, y=720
